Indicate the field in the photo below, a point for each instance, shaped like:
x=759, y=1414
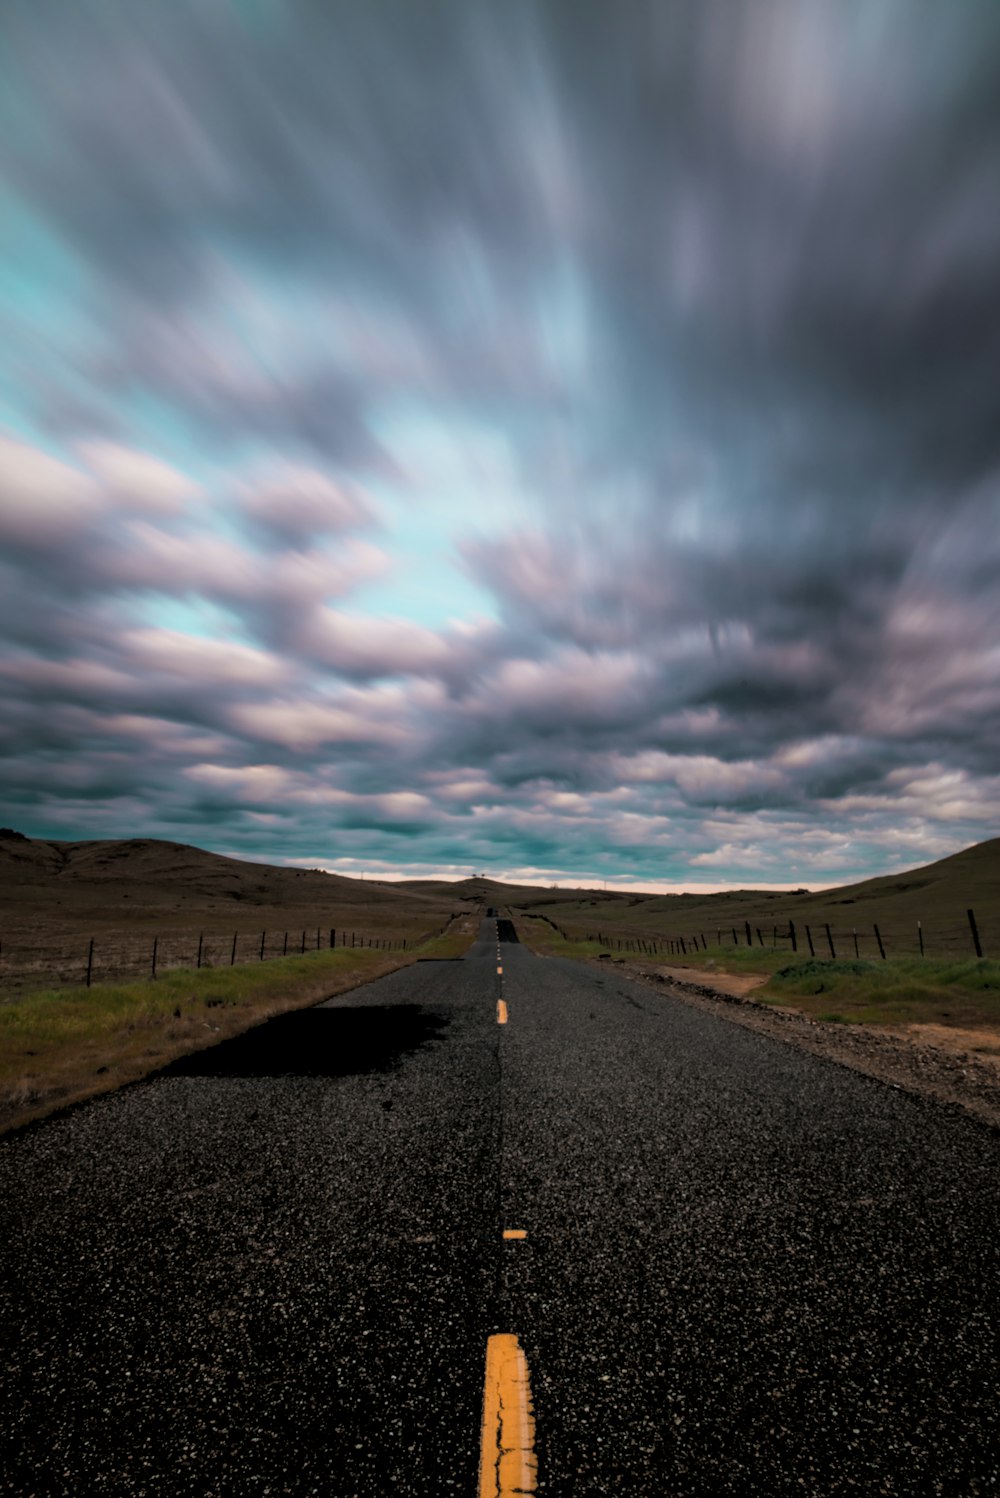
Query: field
x=931, y=902
x=963, y=992
x=55, y=898
x=61, y=1041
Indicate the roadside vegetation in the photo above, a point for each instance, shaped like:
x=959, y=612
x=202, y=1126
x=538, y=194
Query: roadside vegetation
x=59, y=1046
x=963, y=992
x=898, y=991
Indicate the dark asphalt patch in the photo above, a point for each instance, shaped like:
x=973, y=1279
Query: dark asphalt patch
x=506, y=931
x=319, y=1043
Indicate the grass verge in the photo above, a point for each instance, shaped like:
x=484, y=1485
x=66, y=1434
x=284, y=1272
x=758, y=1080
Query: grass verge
x=454, y=942
x=898, y=991
x=60, y=1046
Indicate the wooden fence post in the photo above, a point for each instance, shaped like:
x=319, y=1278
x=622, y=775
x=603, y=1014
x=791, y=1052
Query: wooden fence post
x=317, y=938
x=303, y=941
x=920, y=937
x=878, y=938
x=809, y=939
x=153, y=971
x=284, y=950
x=854, y=933
x=829, y=939
x=90, y=961
x=333, y=937
x=749, y=937
x=759, y=937
x=791, y=932
x=735, y=942
x=263, y=938
x=975, y=933
x=232, y=957
x=201, y=940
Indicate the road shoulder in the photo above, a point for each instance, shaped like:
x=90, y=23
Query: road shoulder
x=929, y=1061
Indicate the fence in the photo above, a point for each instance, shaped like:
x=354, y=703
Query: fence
x=63, y=959
x=118, y=955
x=816, y=939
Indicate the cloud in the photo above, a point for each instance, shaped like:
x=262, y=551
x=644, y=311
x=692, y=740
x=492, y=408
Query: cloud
x=138, y=481
x=200, y=662
x=677, y=335
x=308, y=726
x=41, y=496
x=372, y=647
x=299, y=504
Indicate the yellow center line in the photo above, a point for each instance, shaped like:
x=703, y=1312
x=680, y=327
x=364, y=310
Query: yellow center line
x=515, y=1233
x=507, y=1464
x=501, y=1012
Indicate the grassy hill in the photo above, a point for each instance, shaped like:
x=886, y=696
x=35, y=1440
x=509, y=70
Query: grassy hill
x=57, y=896
x=147, y=879
x=154, y=885
x=55, y=891
x=936, y=895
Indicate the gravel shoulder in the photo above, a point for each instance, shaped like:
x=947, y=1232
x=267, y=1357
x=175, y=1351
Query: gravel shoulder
x=930, y=1061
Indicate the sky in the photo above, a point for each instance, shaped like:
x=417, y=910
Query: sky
x=556, y=440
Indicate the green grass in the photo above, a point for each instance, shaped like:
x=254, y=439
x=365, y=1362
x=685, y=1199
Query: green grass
x=904, y=990
x=962, y=992
x=61, y=1045
x=454, y=942
x=539, y=937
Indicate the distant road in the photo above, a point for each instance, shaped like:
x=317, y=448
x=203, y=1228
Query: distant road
x=278, y=1268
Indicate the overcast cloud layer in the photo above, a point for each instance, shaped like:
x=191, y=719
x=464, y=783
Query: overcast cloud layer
x=558, y=439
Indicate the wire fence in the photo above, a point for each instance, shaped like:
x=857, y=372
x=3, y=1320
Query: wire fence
x=114, y=956
x=874, y=942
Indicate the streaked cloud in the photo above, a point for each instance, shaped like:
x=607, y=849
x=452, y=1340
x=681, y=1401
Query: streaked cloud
x=558, y=440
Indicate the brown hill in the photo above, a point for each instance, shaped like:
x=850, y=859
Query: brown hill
x=937, y=895
x=152, y=884
x=147, y=884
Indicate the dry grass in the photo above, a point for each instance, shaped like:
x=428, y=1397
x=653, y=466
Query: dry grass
x=937, y=896
x=55, y=897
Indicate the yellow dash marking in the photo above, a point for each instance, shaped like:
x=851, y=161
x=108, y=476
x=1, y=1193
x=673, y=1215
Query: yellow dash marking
x=501, y=1012
x=507, y=1464
x=499, y=969
x=515, y=1233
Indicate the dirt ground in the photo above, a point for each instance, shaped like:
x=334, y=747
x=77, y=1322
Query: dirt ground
x=960, y=1068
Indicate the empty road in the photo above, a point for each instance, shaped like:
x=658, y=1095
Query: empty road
x=276, y=1268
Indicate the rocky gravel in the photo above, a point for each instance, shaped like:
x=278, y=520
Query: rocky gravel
x=946, y=1073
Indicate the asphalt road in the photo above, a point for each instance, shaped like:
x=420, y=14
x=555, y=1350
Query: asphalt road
x=275, y=1269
